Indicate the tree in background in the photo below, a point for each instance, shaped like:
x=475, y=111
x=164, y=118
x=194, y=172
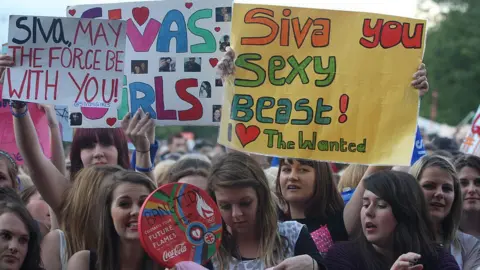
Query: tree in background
x=452, y=57
x=207, y=133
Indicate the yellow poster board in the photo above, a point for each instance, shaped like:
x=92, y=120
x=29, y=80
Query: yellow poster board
x=323, y=84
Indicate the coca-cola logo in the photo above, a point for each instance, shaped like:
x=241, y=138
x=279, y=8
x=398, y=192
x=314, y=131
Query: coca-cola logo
x=175, y=252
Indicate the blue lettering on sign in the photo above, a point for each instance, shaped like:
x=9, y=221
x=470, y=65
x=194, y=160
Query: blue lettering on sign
x=419, y=148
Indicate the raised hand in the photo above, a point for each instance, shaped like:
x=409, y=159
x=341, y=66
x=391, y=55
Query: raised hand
x=5, y=62
x=138, y=128
x=420, y=80
x=50, y=113
x=226, y=66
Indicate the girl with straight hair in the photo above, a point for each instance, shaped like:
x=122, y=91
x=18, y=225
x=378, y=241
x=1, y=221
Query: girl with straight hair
x=253, y=238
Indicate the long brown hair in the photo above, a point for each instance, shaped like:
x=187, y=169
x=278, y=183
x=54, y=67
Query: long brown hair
x=78, y=209
x=452, y=221
x=326, y=199
x=238, y=170
x=108, y=239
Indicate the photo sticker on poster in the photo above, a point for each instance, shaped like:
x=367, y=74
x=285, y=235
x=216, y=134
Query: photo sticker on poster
x=205, y=90
x=224, y=43
x=139, y=67
x=217, y=113
x=223, y=14
x=218, y=82
x=193, y=64
x=167, y=64
x=76, y=119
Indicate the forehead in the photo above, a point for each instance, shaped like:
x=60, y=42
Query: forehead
x=370, y=195
x=130, y=190
x=11, y=222
x=234, y=195
x=436, y=175
x=468, y=172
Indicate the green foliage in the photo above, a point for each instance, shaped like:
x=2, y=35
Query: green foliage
x=162, y=132
x=452, y=57
x=208, y=133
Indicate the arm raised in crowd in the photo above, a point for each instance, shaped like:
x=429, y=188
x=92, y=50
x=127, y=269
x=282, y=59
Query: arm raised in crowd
x=138, y=127
x=58, y=153
x=351, y=213
x=50, y=182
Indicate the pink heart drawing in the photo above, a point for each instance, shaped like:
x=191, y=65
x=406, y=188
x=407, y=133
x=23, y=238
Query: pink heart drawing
x=72, y=12
x=188, y=5
x=217, y=29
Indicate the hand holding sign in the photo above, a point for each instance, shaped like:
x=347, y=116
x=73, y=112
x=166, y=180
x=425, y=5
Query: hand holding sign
x=50, y=113
x=138, y=129
x=5, y=62
x=420, y=80
x=226, y=66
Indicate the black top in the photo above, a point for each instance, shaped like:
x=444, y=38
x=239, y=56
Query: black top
x=93, y=260
x=325, y=231
x=346, y=256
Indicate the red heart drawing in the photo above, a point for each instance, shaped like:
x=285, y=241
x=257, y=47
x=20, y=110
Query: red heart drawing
x=246, y=135
x=111, y=121
x=141, y=14
x=213, y=62
x=72, y=12
x=217, y=29
x=188, y=5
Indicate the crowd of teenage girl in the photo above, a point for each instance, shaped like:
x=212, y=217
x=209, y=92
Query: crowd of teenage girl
x=292, y=216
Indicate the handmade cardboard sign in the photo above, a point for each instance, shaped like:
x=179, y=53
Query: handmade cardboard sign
x=172, y=50
x=323, y=84
x=65, y=61
x=180, y=222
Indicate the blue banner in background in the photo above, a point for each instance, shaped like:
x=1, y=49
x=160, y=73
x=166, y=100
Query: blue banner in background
x=419, y=148
x=4, y=48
